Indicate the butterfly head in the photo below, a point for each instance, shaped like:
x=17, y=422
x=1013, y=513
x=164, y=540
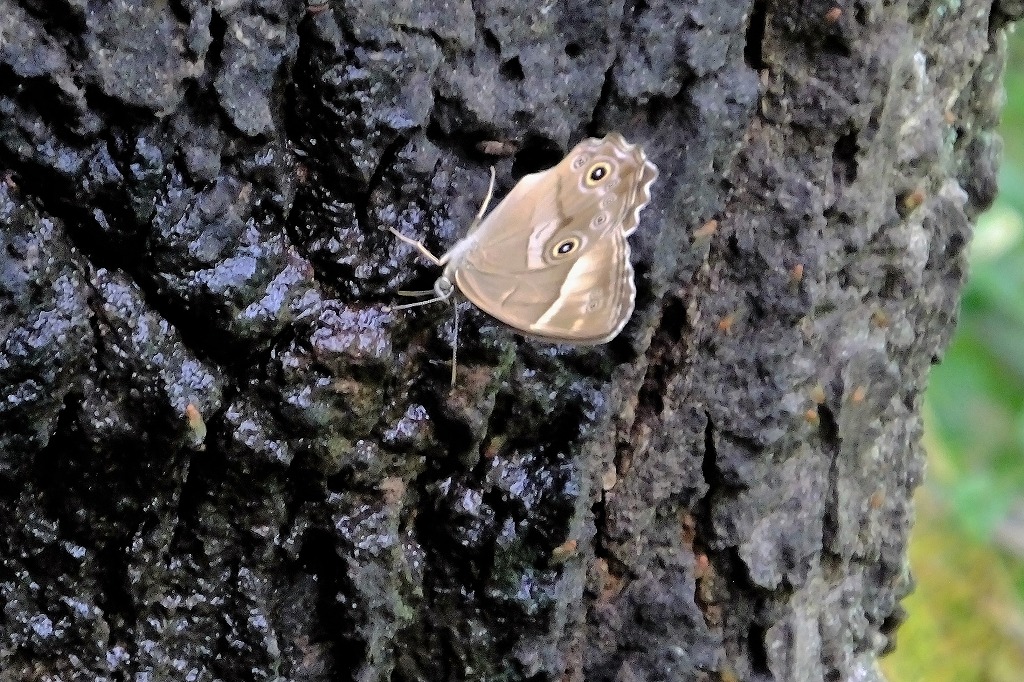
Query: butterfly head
x=443, y=288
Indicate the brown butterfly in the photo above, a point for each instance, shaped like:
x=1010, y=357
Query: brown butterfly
x=551, y=260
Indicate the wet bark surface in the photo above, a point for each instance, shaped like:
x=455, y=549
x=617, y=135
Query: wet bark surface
x=223, y=458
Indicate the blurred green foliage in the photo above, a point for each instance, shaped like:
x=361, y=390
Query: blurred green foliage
x=966, y=617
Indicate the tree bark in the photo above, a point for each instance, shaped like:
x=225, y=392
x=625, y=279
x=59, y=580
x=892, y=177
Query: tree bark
x=222, y=458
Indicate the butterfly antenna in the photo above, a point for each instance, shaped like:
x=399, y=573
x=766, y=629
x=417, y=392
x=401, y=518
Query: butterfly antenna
x=455, y=344
x=487, y=200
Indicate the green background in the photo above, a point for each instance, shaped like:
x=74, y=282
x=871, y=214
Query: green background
x=966, y=617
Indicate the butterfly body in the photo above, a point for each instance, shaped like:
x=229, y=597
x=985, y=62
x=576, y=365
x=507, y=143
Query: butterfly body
x=552, y=260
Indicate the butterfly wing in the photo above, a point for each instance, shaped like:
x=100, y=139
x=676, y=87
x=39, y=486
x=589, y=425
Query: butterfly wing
x=595, y=298
x=552, y=259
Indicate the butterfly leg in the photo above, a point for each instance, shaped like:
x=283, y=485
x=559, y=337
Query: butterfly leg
x=455, y=344
x=417, y=304
x=418, y=245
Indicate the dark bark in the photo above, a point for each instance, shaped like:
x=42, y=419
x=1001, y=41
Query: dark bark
x=220, y=459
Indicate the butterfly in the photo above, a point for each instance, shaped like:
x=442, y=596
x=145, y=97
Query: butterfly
x=552, y=259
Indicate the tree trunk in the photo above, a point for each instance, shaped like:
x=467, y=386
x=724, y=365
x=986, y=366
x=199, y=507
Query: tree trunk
x=223, y=458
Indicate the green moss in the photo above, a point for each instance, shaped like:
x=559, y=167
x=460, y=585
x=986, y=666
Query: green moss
x=965, y=616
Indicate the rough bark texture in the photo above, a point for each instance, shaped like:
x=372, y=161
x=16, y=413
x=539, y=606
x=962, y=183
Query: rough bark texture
x=220, y=459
